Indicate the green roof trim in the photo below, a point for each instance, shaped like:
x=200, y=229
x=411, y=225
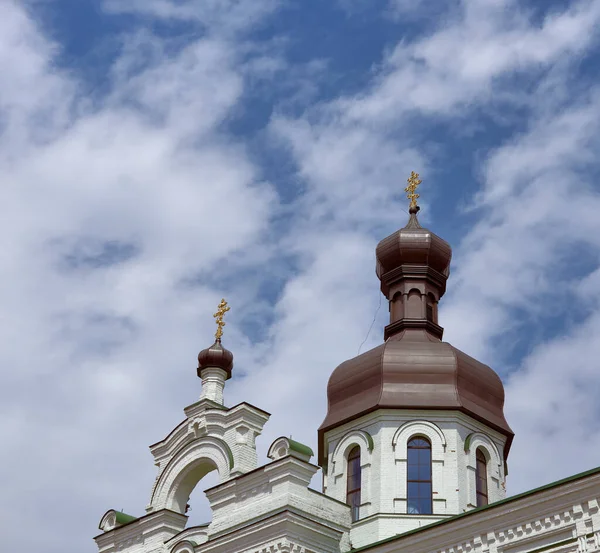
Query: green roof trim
x=300, y=448
x=123, y=518
x=543, y=488
x=468, y=441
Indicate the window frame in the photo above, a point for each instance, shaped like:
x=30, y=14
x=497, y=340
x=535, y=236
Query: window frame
x=353, y=468
x=409, y=480
x=481, y=478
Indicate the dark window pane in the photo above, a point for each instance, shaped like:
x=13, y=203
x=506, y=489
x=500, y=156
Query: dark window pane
x=425, y=456
x=353, y=482
x=418, y=443
x=424, y=490
x=425, y=506
x=413, y=456
x=413, y=490
x=413, y=471
x=418, y=483
x=413, y=507
x=481, y=478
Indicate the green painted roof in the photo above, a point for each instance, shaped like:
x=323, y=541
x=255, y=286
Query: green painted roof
x=545, y=487
x=300, y=448
x=122, y=518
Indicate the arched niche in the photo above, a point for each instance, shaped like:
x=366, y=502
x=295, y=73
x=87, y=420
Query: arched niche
x=184, y=546
x=495, y=464
x=437, y=439
x=490, y=449
x=431, y=308
x=422, y=428
x=360, y=438
x=186, y=468
x=414, y=304
x=338, y=466
x=397, y=307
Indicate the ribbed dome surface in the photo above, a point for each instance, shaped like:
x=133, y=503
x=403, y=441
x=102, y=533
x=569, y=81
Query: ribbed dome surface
x=413, y=370
x=216, y=356
x=413, y=245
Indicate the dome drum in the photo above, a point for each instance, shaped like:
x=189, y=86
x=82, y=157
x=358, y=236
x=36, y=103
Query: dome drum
x=413, y=370
x=419, y=274
x=405, y=323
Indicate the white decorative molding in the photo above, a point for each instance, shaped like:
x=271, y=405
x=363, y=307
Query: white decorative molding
x=495, y=465
x=338, y=467
x=360, y=438
x=183, y=546
x=189, y=465
x=417, y=427
x=282, y=447
x=437, y=439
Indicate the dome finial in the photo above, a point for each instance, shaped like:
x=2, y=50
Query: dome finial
x=219, y=316
x=411, y=191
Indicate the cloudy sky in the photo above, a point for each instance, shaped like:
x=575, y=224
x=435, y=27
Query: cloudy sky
x=157, y=155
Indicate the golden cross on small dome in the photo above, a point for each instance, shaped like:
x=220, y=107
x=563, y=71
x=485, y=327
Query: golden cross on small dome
x=219, y=315
x=411, y=189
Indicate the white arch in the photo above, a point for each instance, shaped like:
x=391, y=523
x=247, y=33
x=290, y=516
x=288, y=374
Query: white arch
x=473, y=442
x=479, y=439
x=338, y=467
x=438, y=448
x=186, y=468
x=184, y=546
x=423, y=428
x=360, y=438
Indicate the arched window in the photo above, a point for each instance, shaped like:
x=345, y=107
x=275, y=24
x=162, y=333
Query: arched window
x=419, y=477
x=430, y=308
x=481, y=478
x=353, y=482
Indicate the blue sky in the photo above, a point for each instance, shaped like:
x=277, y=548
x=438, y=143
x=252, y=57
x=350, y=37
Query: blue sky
x=157, y=155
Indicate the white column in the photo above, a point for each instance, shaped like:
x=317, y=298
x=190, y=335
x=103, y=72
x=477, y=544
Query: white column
x=213, y=382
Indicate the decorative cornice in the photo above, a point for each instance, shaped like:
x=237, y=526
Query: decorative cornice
x=543, y=511
x=405, y=323
x=408, y=272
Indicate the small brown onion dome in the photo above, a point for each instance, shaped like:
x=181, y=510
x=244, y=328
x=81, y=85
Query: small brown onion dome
x=216, y=356
x=412, y=245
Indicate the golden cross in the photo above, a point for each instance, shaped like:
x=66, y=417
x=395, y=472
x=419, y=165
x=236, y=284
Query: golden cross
x=413, y=183
x=221, y=310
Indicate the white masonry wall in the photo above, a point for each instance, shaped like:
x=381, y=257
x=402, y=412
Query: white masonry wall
x=383, y=437
x=562, y=518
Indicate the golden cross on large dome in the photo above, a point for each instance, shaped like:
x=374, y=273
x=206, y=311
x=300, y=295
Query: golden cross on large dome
x=411, y=189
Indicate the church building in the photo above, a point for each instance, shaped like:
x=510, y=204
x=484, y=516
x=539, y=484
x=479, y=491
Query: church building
x=413, y=450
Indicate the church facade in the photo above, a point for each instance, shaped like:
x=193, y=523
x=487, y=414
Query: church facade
x=413, y=450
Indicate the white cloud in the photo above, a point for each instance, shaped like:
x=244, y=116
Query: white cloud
x=146, y=169
x=221, y=16
x=468, y=60
x=98, y=356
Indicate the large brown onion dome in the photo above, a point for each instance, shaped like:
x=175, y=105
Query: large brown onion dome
x=414, y=370
x=216, y=356
x=412, y=245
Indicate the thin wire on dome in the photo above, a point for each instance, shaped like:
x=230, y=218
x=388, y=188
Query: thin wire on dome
x=372, y=323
